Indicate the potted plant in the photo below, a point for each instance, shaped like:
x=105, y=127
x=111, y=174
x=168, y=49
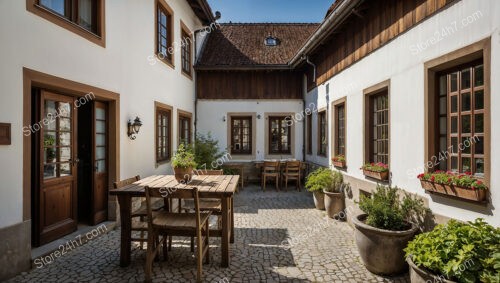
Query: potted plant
x=463, y=186
x=379, y=171
x=339, y=161
x=316, y=182
x=334, y=195
x=386, y=227
x=456, y=252
x=183, y=164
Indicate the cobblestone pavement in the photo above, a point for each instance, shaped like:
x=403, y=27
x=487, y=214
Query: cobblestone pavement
x=280, y=237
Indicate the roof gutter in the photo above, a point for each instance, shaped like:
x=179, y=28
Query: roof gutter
x=207, y=10
x=329, y=24
x=243, y=68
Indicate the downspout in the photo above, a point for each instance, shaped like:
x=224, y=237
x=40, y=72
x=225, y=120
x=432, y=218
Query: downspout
x=304, y=151
x=313, y=65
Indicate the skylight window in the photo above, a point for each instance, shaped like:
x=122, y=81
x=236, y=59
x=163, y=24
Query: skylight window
x=271, y=41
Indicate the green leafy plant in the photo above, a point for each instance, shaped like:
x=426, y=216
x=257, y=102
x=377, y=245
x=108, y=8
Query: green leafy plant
x=339, y=158
x=376, y=167
x=466, y=180
x=184, y=157
x=206, y=151
x=323, y=179
x=49, y=141
x=387, y=210
x=463, y=252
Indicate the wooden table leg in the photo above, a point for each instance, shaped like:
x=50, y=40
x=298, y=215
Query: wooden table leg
x=125, y=202
x=231, y=204
x=225, y=232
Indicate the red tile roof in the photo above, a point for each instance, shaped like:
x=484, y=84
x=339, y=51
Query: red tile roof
x=243, y=45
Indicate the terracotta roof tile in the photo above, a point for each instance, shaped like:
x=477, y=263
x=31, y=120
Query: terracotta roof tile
x=244, y=44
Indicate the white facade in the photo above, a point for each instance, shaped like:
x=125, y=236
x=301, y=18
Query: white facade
x=30, y=41
x=402, y=62
x=212, y=113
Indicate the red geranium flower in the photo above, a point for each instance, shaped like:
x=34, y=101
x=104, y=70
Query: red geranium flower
x=433, y=178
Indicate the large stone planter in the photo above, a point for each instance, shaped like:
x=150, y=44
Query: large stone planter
x=382, y=250
x=334, y=204
x=319, y=200
x=419, y=275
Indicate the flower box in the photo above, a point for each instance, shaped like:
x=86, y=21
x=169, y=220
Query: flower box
x=382, y=176
x=464, y=186
x=435, y=187
x=475, y=195
x=339, y=164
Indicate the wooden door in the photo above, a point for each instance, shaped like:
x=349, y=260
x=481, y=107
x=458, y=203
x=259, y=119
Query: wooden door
x=100, y=184
x=57, y=192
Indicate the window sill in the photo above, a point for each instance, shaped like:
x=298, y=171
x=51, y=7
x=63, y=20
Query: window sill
x=50, y=16
x=187, y=75
x=168, y=62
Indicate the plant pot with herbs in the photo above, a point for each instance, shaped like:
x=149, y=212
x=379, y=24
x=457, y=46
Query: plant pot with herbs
x=456, y=252
x=183, y=164
x=386, y=228
x=334, y=195
x=316, y=182
x=339, y=161
x=463, y=186
x=379, y=171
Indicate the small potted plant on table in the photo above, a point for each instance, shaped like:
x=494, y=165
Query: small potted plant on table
x=386, y=228
x=379, y=171
x=183, y=164
x=463, y=186
x=456, y=252
x=339, y=161
x=334, y=194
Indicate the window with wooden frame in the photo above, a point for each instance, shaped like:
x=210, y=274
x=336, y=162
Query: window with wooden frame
x=163, y=133
x=184, y=129
x=340, y=127
x=164, y=32
x=322, y=133
x=280, y=135
x=378, y=127
x=241, y=135
x=309, y=134
x=83, y=17
x=186, y=51
x=462, y=118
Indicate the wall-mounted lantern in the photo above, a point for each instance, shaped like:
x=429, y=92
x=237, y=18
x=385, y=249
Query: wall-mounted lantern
x=224, y=118
x=134, y=127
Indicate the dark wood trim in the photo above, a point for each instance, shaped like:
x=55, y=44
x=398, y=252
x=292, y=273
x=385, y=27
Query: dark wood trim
x=99, y=38
x=5, y=134
x=279, y=118
x=186, y=33
x=32, y=79
x=186, y=115
x=161, y=107
x=475, y=51
x=241, y=118
x=309, y=134
x=322, y=112
x=253, y=116
x=384, y=86
x=338, y=103
x=162, y=4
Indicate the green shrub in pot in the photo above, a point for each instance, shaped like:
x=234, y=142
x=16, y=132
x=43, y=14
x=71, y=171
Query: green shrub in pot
x=334, y=195
x=316, y=182
x=462, y=252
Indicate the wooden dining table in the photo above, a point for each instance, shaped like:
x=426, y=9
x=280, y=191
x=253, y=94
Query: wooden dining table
x=221, y=187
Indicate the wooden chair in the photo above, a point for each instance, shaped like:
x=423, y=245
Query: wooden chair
x=271, y=169
x=212, y=205
x=292, y=172
x=166, y=224
x=140, y=213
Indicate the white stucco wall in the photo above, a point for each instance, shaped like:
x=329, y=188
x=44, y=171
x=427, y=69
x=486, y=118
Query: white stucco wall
x=211, y=113
x=122, y=66
x=403, y=63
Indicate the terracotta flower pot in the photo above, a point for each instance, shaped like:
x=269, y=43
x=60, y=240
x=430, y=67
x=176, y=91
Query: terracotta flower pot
x=319, y=200
x=334, y=204
x=183, y=175
x=339, y=164
x=460, y=192
x=476, y=195
x=382, y=176
x=420, y=275
x=382, y=250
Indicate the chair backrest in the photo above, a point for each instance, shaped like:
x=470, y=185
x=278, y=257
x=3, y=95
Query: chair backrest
x=202, y=172
x=271, y=166
x=292, y=167
x=126, y=182
x=171, y=193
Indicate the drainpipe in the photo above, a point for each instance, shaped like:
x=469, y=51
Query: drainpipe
x=313, y=65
